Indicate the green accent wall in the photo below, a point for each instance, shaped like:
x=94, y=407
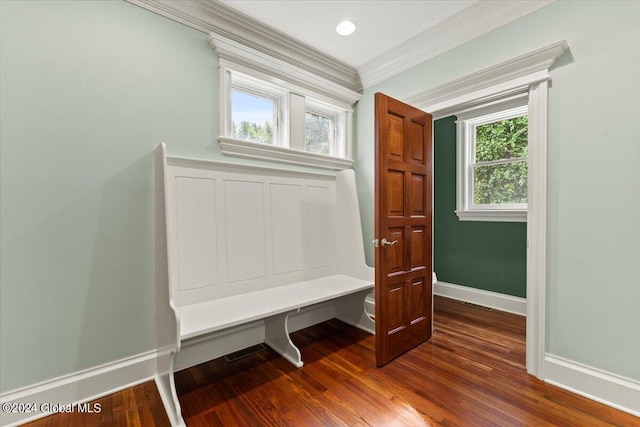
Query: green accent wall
x=483, y=255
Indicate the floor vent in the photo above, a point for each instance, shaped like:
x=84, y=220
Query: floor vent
x=237, y=355
x=481, y=307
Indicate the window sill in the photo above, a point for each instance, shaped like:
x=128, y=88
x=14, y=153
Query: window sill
x=253, y=150
x=494, y=216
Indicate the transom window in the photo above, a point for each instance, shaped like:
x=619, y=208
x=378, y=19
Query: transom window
x=274, y=107
x=324, y=129
x=272, y=119
x=492, y=163
x=253, y=116
x=318, y=132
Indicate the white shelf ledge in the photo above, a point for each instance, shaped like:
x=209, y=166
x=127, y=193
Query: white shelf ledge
x=494, y=216
x=254, y=150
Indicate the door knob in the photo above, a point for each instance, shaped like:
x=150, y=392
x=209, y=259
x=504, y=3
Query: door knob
x=384, y=242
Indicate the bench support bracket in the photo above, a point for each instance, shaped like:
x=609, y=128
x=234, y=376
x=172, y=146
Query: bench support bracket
x=165, y=381
x=276, y=336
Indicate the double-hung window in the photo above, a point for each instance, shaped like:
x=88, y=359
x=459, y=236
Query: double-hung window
x=492, y=163
x=275, y=107
x=281, y=122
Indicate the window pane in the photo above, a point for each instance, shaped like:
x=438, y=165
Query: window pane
x=502, y=140
x=252, y=117
x=317, y=134
x=498, y=184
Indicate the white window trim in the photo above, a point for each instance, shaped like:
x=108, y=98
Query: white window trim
x=512, y=106
x=237, y=61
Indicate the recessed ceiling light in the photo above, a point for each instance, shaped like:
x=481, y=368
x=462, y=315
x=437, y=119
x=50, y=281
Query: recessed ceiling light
x=346, y=28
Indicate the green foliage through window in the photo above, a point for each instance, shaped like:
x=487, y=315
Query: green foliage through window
x=317, y=133
x=505, y=182
x=252, y=116
x=253, y=132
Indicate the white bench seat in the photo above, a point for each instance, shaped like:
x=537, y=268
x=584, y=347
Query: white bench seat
x=215, y=315
x=240, y=250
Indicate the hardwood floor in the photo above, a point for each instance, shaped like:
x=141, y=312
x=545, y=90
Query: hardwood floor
x=471, y=373
x=135, y=406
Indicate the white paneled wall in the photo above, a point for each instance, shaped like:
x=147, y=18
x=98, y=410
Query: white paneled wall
x=287, y=226
x=320, y=218
x=240, y=230
x=196, y=220
x=244, y=217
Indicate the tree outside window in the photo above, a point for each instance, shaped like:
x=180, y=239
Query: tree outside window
x=492, y=162
x=500, y=169
x=317, y=136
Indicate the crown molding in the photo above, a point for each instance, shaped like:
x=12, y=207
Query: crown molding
x=210, y=16
x=232, y=53
x=472, y=22
x=508, y=77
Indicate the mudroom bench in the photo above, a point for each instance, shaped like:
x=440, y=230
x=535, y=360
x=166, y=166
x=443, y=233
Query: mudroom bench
x=246, y=254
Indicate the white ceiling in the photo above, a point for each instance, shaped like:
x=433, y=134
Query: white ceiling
x=381, y=25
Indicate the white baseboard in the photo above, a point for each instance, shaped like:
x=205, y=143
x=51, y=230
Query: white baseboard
x=604, y=387
x=93, y=383
x=78, y=387
x=502, y=302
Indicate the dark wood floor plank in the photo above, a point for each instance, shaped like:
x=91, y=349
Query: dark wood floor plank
x=471, y=373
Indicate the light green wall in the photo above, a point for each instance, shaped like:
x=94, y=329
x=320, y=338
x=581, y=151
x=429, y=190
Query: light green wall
x=88, y=89
x=593, y=241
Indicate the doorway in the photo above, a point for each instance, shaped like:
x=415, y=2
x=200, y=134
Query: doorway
x=463, y=93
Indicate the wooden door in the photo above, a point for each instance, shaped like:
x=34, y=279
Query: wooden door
x=403, y=215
